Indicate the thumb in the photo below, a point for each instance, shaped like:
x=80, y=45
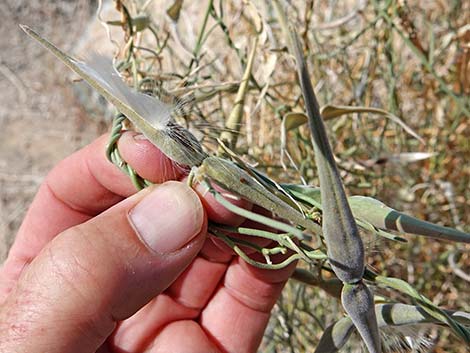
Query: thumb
x=103, y=271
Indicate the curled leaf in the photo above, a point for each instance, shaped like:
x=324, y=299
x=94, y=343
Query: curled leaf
x=293, y=120
x=290, y=121
x=333, y=111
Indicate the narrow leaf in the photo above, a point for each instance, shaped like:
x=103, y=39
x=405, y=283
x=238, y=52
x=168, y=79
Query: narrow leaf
x=332, y=111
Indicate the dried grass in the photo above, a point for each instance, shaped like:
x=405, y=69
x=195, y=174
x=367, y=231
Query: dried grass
x=408, y=57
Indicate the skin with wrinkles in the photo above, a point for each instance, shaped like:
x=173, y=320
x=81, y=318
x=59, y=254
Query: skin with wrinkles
x=153, y=119
x=64, y=287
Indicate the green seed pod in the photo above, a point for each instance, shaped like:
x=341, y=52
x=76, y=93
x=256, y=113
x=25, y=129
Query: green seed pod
x=149, y=115
x=345, y=248
x=358, y=302
x=232, y=178
x=335, y=336
x=398, y=314
x=382, y=216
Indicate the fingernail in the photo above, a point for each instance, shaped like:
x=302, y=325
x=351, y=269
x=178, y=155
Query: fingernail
x=168, y=218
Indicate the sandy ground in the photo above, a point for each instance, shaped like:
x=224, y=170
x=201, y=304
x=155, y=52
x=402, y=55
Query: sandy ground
x=41, y=120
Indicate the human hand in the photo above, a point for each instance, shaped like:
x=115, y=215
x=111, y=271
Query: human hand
x=95, y=268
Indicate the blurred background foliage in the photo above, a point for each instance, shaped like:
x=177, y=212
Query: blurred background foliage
x=411, y=58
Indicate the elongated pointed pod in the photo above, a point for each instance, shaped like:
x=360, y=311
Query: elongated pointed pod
x=382, y=216
x=345, y=248
x=358, y=302
x=148, y=114
x=385, y=217
x=233, y=178
x=426, y=304
x=335, y=336
x=234, y=121
x=389, y=315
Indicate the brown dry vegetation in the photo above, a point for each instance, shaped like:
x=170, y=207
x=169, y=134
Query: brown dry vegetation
x=408, y=57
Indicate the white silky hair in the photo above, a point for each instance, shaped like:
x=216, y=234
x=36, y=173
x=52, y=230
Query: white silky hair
x=186, y=148
x=397, y=339
x=155, y=112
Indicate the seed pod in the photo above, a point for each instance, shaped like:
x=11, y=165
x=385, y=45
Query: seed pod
x=345, y=248
x=385, y=217
x=335, y=336
x=381, y=216
x=148, y=114
x=232, y=178
x=358, y=302
x=397, y=314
